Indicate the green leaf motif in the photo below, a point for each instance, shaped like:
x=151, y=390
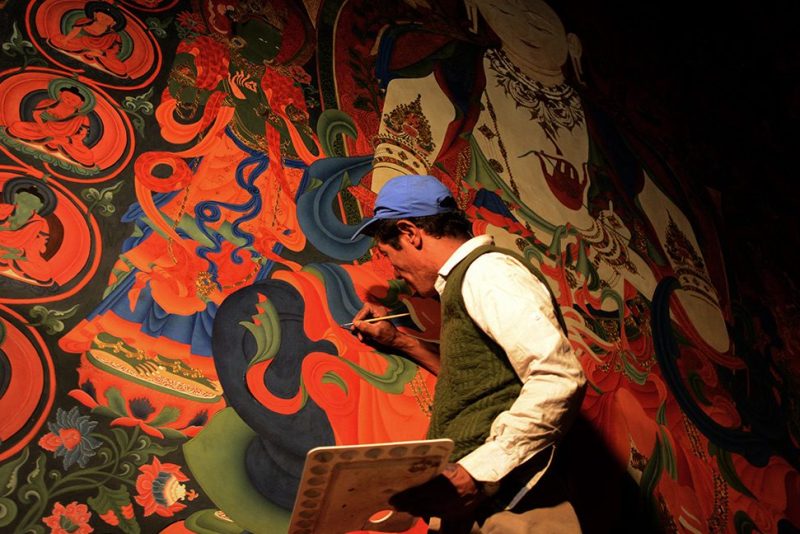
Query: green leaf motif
x=399, y=371
x=121, y=437
x=136, y=106
x=139, y=103
x=668, y=460
x=147, y=448
x=168, y=415
x=266, y=331
x=332, y=378
x=8, y=511
x=116, y=402
x=19, y=47
x=158, y=27
x=171, y=433
x=632, y=371
x=102, y=199
x=37, y=473
x=661, y=414
x=9, y=473
x=16, y=43
x=109, y=500
x=51, y=319
x=104, y=411
x=34, y=494
x=652, y=471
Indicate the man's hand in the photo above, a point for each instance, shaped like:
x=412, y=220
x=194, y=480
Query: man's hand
x=382, y=333
x=384, y=336
x=452, y=493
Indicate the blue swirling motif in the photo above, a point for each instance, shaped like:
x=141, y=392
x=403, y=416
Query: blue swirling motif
x=323, y=229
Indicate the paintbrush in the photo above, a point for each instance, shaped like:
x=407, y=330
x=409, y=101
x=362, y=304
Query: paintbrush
x=376, y=319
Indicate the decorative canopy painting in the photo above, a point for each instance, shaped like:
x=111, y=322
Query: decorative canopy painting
x=180, y=181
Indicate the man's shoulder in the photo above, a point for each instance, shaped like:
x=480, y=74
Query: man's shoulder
x=497, y=258
x=500, y=270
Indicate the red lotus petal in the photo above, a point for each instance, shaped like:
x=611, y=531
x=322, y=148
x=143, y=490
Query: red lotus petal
x=127, y=511
x=126, y=421
x=144, y=485
x=50, y=442
x=152, y=431
x=83, y=397
x=71, y=437
x=164, y=511
x=78, y=512
x=149, y=505
x=174, y=470
x=110, y=517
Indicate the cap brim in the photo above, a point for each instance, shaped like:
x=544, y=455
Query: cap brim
x=363, y=227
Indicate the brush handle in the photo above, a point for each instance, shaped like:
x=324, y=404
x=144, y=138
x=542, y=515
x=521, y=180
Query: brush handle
x=376, y=319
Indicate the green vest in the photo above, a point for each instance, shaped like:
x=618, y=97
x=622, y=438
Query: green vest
x=476, y=381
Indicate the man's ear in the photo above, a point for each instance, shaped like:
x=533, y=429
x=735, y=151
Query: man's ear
x=410, y=232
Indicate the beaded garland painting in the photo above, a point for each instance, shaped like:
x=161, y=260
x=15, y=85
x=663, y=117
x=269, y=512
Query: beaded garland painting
x=179, y=183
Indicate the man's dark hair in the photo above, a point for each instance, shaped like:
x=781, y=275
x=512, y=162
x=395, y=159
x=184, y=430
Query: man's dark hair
x=450, y=224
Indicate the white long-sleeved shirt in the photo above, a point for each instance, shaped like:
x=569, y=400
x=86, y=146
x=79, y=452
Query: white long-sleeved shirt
x=514, y=308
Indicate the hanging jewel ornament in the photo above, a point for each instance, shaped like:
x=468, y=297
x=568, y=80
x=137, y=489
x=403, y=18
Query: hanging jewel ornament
x=552, y=106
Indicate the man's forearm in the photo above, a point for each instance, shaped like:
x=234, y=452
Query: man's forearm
x=421, y=352
x=383, y=335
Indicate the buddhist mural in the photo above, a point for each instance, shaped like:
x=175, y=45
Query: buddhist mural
x=180, y=181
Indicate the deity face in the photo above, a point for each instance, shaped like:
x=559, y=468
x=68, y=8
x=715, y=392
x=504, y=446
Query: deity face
x=104, y=20
x=23, y=199
x=529, y=28
x=70, y=99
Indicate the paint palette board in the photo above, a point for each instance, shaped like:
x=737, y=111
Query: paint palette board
x=347, y=487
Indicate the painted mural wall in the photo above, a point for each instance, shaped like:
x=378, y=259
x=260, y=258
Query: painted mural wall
x=179, y=184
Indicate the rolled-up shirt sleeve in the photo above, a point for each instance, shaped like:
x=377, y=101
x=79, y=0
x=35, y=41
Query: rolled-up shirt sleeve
x=514, y=309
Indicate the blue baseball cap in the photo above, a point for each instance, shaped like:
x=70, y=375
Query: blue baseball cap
x=410, y=195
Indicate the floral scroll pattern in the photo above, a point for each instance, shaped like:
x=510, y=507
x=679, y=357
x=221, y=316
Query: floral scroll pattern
x=120, y=467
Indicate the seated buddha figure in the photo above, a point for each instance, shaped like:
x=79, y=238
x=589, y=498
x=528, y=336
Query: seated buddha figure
x=61, y=125
x=23, y=235
x=96, y=38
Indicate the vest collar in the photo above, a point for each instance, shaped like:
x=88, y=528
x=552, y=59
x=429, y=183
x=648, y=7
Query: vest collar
x=461, y=252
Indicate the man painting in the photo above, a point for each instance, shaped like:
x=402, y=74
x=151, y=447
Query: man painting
x=508, y=384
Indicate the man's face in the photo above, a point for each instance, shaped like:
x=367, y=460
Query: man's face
x=410, y=265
